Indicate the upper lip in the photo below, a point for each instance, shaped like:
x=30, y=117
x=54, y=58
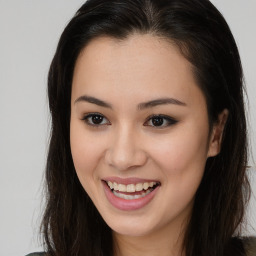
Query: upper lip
x=127, y=181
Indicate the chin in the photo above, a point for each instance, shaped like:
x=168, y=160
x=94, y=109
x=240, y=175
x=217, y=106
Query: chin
x=132, y=231
x=134, y=226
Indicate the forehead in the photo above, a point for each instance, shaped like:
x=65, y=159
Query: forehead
x=140, y=65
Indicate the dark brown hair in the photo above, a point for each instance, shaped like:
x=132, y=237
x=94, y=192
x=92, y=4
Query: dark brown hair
x=71, y=224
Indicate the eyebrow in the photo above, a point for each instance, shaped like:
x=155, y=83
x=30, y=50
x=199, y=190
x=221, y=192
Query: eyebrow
x=161, y=101
x=141, y=106
x=93, y=100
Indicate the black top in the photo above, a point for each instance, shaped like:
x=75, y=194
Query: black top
x=249, y=246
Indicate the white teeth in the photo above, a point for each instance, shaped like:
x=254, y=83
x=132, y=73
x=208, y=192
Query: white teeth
x=130, y=187
x=121, y=187
x=131, y=197
x=145, y=186
x=139, y=187
x=110, y=184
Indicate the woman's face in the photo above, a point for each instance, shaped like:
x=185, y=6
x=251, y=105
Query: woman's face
x=139, y=132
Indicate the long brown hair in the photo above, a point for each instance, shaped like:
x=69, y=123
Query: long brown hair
x=71, y=224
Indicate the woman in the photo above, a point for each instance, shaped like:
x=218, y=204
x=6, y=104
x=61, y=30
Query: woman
x=148, y=150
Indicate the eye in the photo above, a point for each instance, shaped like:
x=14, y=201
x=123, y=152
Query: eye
x=160, y=121
x=95, y=119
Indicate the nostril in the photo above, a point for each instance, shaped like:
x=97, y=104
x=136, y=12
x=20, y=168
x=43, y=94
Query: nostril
x=125, y=158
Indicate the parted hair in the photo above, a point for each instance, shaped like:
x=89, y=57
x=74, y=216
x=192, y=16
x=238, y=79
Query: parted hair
x=71, y=224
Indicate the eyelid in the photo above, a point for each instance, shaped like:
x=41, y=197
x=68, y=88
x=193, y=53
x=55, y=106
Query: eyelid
x=91, y=114
x=170, y=121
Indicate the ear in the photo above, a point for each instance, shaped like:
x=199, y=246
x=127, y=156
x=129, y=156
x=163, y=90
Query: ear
x=217, y=133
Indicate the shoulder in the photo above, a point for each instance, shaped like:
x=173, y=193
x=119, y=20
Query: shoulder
x=250, y=246
x=37, y=254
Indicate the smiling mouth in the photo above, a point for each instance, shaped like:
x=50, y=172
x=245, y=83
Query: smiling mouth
x=132, y=191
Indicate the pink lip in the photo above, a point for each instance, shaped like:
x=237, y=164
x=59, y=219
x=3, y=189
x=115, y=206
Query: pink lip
x=128, y=205
x=127, y=181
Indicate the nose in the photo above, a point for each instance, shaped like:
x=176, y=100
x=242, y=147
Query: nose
x=125, y=150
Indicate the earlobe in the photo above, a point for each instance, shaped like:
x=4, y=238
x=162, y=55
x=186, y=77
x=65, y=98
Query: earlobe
x=217, y=134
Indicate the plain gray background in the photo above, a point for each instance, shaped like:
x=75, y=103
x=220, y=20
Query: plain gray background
x=29, y=32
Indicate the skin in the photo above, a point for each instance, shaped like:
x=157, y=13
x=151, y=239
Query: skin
x=126, y=144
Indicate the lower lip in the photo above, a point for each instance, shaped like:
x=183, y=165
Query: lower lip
x=128, y=205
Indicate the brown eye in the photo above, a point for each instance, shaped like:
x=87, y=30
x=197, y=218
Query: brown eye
x=160, y=121
x=96, y=119
x=157, y=121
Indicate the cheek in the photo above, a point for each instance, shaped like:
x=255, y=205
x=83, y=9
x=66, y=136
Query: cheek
x=181, y=158
x=182, y=154
x=86, y=152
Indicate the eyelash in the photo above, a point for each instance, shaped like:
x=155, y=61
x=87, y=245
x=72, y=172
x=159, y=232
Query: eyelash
x=166, y=120
x=87, y=120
